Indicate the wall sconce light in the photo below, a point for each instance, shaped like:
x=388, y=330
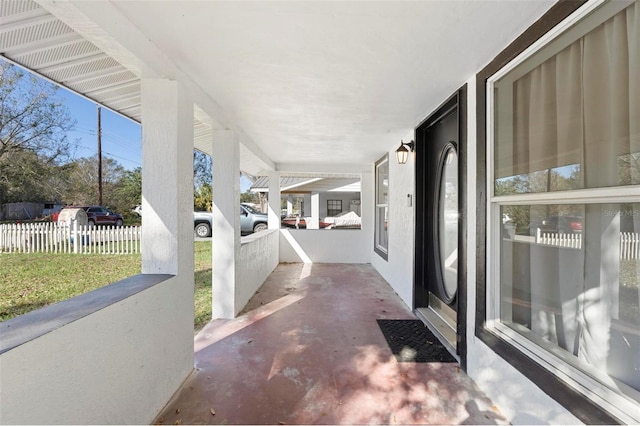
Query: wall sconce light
x=402, y=153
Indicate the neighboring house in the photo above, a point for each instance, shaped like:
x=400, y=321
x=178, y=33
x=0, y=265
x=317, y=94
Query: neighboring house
x=526, y=110
x=29, y=211
x=331, y=195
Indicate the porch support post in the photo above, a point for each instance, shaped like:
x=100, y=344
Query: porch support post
x=167, y=234
x=314, y=223
x=274, y=200
x=167, y=180
x=306, y=208
x=289, y=204
x=226, y=222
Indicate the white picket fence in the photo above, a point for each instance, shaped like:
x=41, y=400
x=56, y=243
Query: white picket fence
x=52, y=237
x=629, y=245
x=629, y=242
x=559, y=240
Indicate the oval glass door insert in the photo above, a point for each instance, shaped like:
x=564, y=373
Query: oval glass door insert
x=448, y=223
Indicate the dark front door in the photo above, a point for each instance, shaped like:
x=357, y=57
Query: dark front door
x=437, y=219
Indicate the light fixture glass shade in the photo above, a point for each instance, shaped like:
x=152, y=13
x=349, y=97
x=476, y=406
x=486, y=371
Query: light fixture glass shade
x=402, y=154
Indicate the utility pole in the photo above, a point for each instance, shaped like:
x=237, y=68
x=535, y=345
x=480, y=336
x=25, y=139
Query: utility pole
x=99, y=133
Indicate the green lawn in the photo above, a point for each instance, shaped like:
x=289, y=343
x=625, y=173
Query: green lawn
x=202, y=299
x=31, y=281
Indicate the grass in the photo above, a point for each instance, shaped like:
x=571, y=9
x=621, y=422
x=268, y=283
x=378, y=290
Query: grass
x=202, y=297
x=629, y=276
x=32, y=281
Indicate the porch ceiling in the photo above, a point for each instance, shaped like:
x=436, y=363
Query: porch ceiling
x=310, y=86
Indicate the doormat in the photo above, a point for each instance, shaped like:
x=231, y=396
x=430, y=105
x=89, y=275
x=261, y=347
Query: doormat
x=412, y=341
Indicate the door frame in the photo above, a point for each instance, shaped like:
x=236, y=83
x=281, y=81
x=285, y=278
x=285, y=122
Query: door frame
x=459, y=100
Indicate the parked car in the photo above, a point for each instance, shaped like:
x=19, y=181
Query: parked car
x=562, y=224
x=251, y=221
x=99, y=216
x=202, y=224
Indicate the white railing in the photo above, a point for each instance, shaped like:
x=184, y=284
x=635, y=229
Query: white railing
x=629, y=245
x=629, y=242
x=52, y=237
x=559, y=240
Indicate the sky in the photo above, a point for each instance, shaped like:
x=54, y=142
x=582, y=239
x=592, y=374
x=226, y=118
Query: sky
x=121, y=137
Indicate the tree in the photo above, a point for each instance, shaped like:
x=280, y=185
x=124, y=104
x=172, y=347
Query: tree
x=33, y=126
x=202, y=181
x=249, y=197
x=202, y=169
x=203, y=198
x=128, y=192
x=82, y=188
x=27, y=177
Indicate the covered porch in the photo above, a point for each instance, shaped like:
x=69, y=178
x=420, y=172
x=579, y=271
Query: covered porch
x=274, y=89
x=307, y=350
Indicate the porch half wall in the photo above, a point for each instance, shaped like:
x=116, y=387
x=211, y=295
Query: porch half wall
x=105, y=357
x=259, y=256
x=324, y=246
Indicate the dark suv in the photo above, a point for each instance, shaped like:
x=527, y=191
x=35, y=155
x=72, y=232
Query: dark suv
x=97, y=215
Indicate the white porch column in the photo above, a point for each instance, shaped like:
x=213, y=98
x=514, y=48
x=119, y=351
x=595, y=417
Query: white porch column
x=274, y=200
x=314, y=223
x=306, y=208
x=226, y=222
x=289, y=204
x=167, y=180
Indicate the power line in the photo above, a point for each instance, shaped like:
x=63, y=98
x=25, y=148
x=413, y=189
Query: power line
x=131, y=149
x=120, y=137
x=121, y=158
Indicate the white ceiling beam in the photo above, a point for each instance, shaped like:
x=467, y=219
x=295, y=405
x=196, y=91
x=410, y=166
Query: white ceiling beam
x=41, y=44
x=24, y=20
x=63, y=63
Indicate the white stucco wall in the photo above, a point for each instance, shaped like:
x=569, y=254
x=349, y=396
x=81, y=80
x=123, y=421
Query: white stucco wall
x=119, y=365
x=259, y=256
x=324, y=246
x=517, y=398
x=398, y=268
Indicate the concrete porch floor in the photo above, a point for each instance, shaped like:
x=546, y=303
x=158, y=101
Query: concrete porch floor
x=307, y=350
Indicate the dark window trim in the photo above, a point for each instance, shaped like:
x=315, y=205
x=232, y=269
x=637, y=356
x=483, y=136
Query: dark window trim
x=331, y=210
x=580, y=406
